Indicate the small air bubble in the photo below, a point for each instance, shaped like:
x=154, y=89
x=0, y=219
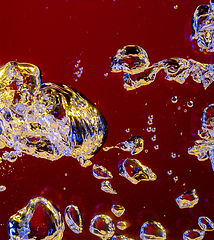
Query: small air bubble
x=173, y=155
x=105, y=74
x=174, y=99
x=154, y=138
x=2, y=188
x=169, y=172
x=146, y=150
x=153, y=129
x=156, y=147
x=190, y=104
x=127, y=130
x=176, y=7
x=179, y=108
x=149, y=129
x=66, y=174
x=185, y=110
x=175, y=179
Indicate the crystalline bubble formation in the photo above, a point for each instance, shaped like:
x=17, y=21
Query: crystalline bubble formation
x=102, y=226
x=38, y=220
x=73, y=218
x=203, y=148
x=188, y=199
x=101, y=172
x=138, y=73
x=47, y=120
x=134, y=145
x=135, y=171
x=117, y=210
x=152, y=230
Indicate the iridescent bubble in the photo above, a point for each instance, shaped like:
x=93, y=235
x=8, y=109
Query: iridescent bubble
x=193, y=234
x=122, y=225
x=156, y=147
x=175, y=179
x=154, y=138
x=118, y=210
x=73, y=218
x=153, y=129
x=2, y=188
x=106, y=187
x=134, y=171
x=101, y=172
x=188, y=199
x=174, y=99
x=149, y=129
x=152, y=230
x=190, y=104
x=169, y=172
x=175, y=7
x=29, y=221
x=127, y=130
x=173, y=155
x=102, y=226
x=205, y=223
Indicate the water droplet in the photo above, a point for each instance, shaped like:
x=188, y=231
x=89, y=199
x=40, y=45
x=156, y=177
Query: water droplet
x=101, y=172
x=188, y=199
x=152, y=230
x=174, y=99
x=134, y=171
x=102, y=226
x=154, y=138
x=205, y=224
x=149, y=129
x=156, y=147
x=193, y=234
x=134, y=145
x=73, y=218
x=169, y=172
x=127, y=130
x=39, y=219
x=46, y=120
x=122, y=225
x=190, y=104
x=173, y=155
x=175, y=179
x=2, y=188
x=106, y=187
x=176, y=7
x=118, y=210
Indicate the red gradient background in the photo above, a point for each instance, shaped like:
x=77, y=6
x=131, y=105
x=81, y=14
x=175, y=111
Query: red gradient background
x=54, y=34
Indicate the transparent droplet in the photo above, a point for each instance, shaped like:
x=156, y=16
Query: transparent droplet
x=205, y=223
x=106, y=187
x=174, y=99
x=2, y=188
x=102, y=226
x=39, y=219
x=154, y=138
x=193, y=234
x=152, y=230
x=175, y=179
x=149, y=129
x=188, y=199
x=118, y=210
x=173, y=155
x=134, y=145
x=73, y=218
x=169, y=172
x=190, y=104
x=134, y=171
x=127, y=130
x=101, y=172
x=156, y=147
x=122, y=225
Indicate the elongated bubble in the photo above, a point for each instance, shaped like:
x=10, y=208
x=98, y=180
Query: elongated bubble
x=188, y=199
x=73, y=218
x=205, y=223
x=106, y=187
x=204, y=149
x=102, y=226
x=193, y=234
x=139, y=73
x=101, y=172
x=135, y=171
x=134, y=145
x=38, y=220
x=47, y=120
x=152, y=230
x=121, y=237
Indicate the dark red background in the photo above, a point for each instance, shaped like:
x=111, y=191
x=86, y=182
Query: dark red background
x=55, y=34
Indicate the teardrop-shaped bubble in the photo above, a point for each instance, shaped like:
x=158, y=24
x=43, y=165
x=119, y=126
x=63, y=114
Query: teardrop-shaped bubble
x=101, y=172
x=134, y=145
x=102, y=226
x=130, y=59
x=106, y=187
x=205, y=223
x=188, y=199
x=73, y=218
x=193, y=234
x=135, y=171
x=38, y=220
x=118, y=210
x=152, y=230
x=47, y=120
x=122, y=225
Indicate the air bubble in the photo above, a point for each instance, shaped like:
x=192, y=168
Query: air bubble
x=169, y=172
x=173, y=155
x=176, y=7
x=2, y=188
x=175, y=179
x=156, y=147
x=118, y=210
x=106, y=187
x=188, y=199
x=101, y=172
x=174, y=99
x=127, y=130
x=149, y=129
x=153, y=129
x=154, y=138
x=190, y=104
x=122, y=225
